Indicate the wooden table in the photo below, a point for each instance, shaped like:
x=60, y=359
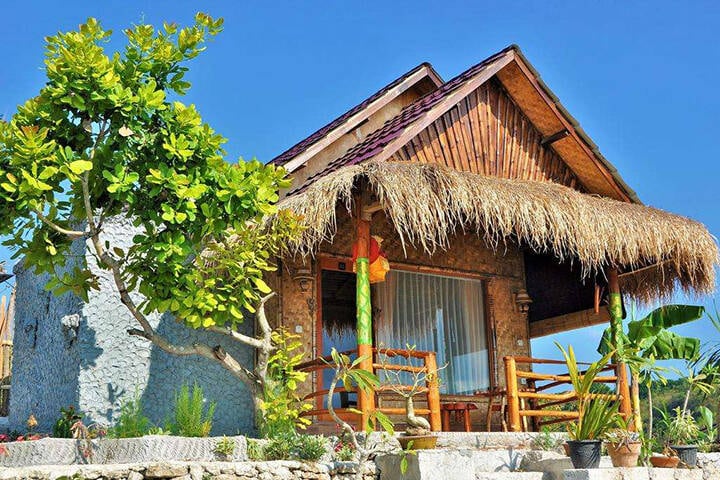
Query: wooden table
x=459, y=409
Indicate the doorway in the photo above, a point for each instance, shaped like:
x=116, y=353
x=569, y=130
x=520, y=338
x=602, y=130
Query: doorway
x=337, y=322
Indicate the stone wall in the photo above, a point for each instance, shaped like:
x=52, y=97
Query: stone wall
x=46, y=348
x=280, y=470
x=71, y=353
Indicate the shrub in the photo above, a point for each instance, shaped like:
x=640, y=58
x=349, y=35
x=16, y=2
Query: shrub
x=345, y=452
x=225, y=447
x=681, y=428
x=131, y=423
x=295, y=447
x=279, y=447
x=63, y=425
x=190, y=417
x=310, y=448
x=255, y=450
x=281, y=407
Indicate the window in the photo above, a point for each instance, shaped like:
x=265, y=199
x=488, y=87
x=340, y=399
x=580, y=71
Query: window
x=441, y=314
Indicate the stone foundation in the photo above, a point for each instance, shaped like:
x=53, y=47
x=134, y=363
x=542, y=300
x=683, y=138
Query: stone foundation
x=150, y=448
x=281, y=470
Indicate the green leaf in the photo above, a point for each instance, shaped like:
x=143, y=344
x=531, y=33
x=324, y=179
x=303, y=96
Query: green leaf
x=261, y=285
x=235, y=312
x=385, y=422
x=80, y=166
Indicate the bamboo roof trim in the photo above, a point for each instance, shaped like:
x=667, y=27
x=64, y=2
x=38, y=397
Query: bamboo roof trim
x=428, y=204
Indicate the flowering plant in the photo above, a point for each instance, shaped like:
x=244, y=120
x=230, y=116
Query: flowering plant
x=344, y=450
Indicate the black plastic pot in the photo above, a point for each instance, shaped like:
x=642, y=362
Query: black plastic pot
x=687, y=454
x=585, y=453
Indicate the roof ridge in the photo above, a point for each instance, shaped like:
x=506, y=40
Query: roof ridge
x=322, y=132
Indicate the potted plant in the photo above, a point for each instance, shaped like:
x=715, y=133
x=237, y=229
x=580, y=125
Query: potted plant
x=407, y=384
x=682, y=432
x=596, y=412
x=667, y=459
x=623, y=445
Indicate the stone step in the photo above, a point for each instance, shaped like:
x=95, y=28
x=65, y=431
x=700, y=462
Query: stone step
x=637, y=473
x=456, y=465
x=509, y=476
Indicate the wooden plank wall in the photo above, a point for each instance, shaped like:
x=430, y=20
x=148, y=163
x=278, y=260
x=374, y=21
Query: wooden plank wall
x=487, y=133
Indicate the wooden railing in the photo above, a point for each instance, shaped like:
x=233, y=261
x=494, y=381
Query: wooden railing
x=431, y=391
x=534, y=398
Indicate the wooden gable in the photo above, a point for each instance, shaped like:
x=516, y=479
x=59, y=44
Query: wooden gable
x=487, y=133
x=497, y=118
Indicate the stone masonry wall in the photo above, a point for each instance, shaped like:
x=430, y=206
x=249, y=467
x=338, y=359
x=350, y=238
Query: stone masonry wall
x=46, y=350
x=285, y=470
x=71, y=353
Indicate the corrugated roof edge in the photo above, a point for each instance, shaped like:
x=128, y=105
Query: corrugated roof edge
x=576, y=125
x=324, y=131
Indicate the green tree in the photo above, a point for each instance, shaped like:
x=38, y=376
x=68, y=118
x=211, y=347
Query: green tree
x=107, y=137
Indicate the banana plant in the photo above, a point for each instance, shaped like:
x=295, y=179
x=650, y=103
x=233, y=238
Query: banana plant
x=648, y=340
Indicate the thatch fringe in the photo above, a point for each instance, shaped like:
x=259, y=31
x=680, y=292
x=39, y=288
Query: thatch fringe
x=428, y=204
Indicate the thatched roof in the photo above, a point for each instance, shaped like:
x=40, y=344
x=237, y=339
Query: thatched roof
x=428, y=204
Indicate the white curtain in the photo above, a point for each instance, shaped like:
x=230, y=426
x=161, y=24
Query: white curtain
x=441, y=314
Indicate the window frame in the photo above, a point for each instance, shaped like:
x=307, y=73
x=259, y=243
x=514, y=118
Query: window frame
x=332, y=262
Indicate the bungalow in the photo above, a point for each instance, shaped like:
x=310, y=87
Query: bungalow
x=500, y=222
x=463, y=217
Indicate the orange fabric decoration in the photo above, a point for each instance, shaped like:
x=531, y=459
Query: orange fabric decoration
x=379, y=265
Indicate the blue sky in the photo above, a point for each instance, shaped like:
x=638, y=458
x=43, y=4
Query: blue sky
x=641, y=78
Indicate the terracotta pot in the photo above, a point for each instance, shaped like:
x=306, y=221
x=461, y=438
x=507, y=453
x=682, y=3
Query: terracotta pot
x=663, y=461
x=624, y=454
x=419, y=442
x=566, y=447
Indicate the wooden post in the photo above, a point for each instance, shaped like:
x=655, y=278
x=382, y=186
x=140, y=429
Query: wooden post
x=512, y=394
x=366, y=400
x=616, y=327
x=623, y=390
x=433, y=392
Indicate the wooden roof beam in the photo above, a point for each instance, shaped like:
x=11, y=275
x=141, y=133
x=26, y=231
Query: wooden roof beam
x=555, y=120
x=550, y=139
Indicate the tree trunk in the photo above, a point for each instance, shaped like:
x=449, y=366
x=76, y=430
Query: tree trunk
x=687, y=400
x=650, y=412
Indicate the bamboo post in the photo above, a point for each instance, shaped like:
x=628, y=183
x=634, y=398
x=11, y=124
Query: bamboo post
x=512, y=394
x=366, y=400
x=615, y=312
x=433, y=395
x=616, y=326
x=623, y=390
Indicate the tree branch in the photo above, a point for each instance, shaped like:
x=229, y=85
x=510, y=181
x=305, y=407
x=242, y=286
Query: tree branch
x=74, y=234
x=235, y=335
x=261, y=317
x=85, y=180
x=217, y=354
x=266, y=347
